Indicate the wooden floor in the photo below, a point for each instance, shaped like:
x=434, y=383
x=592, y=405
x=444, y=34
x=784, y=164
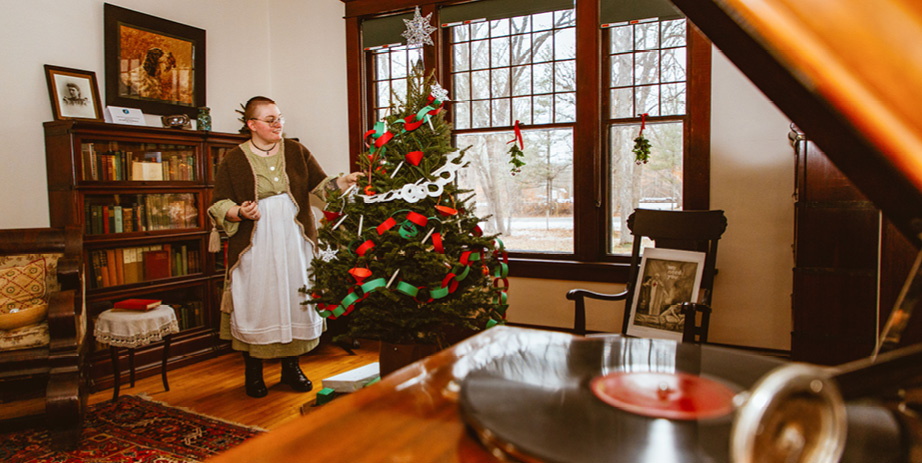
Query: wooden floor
x=215, y=387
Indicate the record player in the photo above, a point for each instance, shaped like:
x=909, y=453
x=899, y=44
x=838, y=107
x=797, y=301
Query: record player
x=848, y=74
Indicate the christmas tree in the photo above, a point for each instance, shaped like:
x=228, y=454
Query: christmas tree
x=402, y=256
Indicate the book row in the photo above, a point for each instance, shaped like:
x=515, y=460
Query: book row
x=124, y=266
x=118, y=165
x=161, y=211
x=189, y=314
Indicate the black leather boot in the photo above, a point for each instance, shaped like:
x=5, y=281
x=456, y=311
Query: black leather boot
x=254, y=376
x=293, y=376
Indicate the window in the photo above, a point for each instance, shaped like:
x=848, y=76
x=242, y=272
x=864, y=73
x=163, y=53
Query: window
x=504, y=61
x=646, y=75
x=518, y=69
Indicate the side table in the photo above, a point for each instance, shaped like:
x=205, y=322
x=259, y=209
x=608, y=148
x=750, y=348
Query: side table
x=132, y=329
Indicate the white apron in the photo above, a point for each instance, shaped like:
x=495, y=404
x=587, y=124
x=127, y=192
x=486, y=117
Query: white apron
x=267, y=303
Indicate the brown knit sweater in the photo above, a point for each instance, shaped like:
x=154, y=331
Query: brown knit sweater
x=236, y=181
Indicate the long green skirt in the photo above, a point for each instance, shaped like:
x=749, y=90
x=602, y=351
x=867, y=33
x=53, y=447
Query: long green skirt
x=267, y=351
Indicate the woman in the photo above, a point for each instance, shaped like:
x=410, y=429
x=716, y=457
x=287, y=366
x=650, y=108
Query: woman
x=261, y=200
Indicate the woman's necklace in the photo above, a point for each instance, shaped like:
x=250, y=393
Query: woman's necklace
x=252, y=142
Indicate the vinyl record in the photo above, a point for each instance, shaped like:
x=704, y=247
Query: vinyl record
x=536, y=403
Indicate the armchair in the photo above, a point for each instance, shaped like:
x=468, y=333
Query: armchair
x=42, y=331
x=684, y=230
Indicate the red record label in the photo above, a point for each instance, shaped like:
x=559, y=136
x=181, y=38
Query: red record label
x=677, y=396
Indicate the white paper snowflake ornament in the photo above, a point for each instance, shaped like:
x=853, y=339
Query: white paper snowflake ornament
x=418, y=30
x=327, y=254
x=439, y=93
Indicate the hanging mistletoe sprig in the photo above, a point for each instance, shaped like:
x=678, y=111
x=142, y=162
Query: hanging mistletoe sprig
x=641, y=144
x=516, y=155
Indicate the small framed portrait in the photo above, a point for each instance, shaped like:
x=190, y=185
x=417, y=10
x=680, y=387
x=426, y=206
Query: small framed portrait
x=74, y=93
x=666, y=279
x=153, y=64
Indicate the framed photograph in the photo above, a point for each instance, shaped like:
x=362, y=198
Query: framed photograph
x=153, y=64
x=74, y=93
x=666, y=279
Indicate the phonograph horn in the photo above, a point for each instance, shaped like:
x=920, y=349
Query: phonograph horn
x=795, y=413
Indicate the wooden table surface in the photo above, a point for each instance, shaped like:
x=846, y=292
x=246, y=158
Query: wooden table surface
x=410, y=416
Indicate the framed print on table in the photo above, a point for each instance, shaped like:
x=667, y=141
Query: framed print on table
x=74, y=93
x=666, y=279
x=153, y=64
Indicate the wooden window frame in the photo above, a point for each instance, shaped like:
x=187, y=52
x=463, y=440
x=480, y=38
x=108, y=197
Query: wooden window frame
x=590, y=260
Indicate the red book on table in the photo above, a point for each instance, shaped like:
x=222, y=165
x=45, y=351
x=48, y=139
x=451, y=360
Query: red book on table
x=138, y=304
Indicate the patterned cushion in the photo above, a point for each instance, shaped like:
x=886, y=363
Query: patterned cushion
x=22, y=260
x=26, y=337
x=23, y=283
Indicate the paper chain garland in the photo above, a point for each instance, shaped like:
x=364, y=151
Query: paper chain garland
x=449, y=283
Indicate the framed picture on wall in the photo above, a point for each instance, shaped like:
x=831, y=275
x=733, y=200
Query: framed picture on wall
x=74, y=93
x=666, y=279
x=153, y=64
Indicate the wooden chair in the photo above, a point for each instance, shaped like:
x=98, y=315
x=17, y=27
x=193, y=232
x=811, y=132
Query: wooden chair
x=42, y=361
x=684, y=230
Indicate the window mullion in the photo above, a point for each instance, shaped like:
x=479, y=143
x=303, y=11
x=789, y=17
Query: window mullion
x=589, y=225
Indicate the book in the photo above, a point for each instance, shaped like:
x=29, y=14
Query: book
x=131, y=268
x=110, y=266
x=118, y=223
x=156, y=264
x=353, y=380
x=138, y=304
x=120, y=266
x=146, y=170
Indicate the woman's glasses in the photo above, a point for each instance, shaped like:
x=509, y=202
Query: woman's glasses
x=271, y=121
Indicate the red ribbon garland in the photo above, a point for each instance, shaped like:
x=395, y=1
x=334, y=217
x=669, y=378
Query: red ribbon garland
x=643, y=122
x=518, y=136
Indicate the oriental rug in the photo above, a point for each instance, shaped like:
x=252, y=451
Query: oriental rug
x=132, y=429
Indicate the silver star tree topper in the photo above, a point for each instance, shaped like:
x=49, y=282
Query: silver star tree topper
x=418, y=29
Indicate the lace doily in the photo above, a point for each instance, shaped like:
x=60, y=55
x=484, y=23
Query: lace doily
x=132, y=329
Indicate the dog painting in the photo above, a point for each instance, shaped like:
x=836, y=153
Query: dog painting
x=155, y=67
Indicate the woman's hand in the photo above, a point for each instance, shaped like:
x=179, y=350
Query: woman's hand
x=249, y=210
x=346, y=181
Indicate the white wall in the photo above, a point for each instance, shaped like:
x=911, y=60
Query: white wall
x=752, y=179
x=294, y=52
x=263, y=47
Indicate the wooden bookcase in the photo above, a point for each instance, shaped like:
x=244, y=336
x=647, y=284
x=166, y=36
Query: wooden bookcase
x=141, y=194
